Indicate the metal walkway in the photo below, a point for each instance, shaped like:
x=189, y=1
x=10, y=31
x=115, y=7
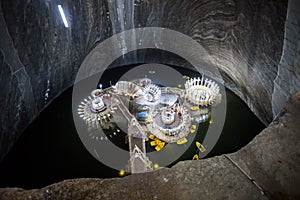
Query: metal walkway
x=138, y=162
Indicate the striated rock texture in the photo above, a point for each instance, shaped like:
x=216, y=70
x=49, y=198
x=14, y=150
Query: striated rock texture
x=288, y=75
x=267, y=168
x=39, y=57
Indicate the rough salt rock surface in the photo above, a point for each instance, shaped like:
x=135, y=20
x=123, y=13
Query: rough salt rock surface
x=288, y=76
x=271, y=161
x=39, y=57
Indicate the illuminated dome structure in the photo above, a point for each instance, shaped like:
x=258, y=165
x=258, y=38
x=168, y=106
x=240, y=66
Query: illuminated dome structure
x=128, y=89
x=200, y=91
x=95, y=110
x=152, y=92
x=170, y=124
x=168, y=116
x=97, y=105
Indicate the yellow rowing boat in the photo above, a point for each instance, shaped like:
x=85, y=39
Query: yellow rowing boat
x=200, y=147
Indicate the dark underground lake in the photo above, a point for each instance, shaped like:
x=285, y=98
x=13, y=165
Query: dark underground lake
x=50, y=149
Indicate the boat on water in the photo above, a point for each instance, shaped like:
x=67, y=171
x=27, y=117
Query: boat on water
x=182, y=141
x=200, y=147
x=195, y=157
x=194, y=108
x=156, y=143
x=193, y=129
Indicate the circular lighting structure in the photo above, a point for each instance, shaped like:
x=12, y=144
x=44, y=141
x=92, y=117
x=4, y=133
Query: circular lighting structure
x=201, y=91
x=92, y=110
x=170, y=124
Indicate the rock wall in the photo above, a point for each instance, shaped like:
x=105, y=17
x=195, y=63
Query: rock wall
x=288, y=76
x=39, y=57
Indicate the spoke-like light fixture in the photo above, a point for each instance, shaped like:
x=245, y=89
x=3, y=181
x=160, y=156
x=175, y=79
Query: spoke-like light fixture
x=62, y=14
